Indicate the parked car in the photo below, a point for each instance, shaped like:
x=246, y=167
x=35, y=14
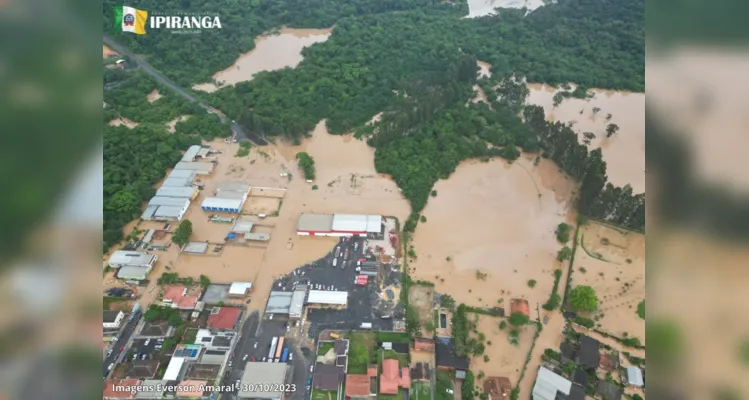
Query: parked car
x=291, y=356
x=255, y=345
x=311, y=367
x=144, y=356
x=109, y=368
x=245, y=357
x=147, y=342
x=230, y=362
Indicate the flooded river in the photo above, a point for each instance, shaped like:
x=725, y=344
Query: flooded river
x=481, y=8
x=624, y=152
x=272, y=52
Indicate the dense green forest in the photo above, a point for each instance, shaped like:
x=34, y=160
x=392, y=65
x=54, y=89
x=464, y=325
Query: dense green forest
x=417, y=66
x=135, y=159
x=194, y=58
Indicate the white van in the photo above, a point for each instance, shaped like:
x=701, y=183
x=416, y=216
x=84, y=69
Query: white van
x=335, y=262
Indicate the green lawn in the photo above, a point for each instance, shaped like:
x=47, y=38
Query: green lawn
x=318, y=394
x=398, y=396
x=361, y=351
x=444, y=382
x=324, y=348
x=419, y=391
x=109, y=300
x=641, y=309
x=393, y=355
x=395, y=337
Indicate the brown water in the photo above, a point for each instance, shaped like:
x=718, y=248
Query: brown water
x=272, y=52
x=488, y=217
x=171, y=125
x=480, y=8
x=624, y=152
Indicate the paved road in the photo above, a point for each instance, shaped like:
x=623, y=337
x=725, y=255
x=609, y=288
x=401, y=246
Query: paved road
x=262, y=332
x=256, y=139
x=122, y=341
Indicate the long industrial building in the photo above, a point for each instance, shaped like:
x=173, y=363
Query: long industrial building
x=339, y=224
x=122, y=258
x=230, y=197
x=186, y=192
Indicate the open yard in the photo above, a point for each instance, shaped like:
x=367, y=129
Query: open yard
x=444, y=383
x=612, y=261
x=325, y=348
x=420, y=391
x=393, y=355
x=261, y=205
x=421, y=298
x=399, y=396
x=361, y=351
x=501, y=357
x=318, y=394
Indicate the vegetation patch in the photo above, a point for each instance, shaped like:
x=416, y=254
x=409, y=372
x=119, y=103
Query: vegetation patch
x=420, y=391
x=307, y=164
x=641, y=309
x=324, y=348
x=395, y=337
x=554, y=298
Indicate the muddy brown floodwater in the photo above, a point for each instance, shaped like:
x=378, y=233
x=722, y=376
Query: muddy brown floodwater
x=497, y=219
x=481, y=8
x=271, y=52
x=624, y=152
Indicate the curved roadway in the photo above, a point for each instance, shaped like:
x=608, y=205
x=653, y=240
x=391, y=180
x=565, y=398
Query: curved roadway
x=240, y=132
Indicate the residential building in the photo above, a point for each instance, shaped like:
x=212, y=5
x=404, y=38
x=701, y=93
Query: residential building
x=151, y=389
x=176, y=296
x=357, y=387
x=120, y=389
x=447, y=359
x=609, y=390
x=327, y=377
x=113, y=319
x=224, y=318
x=393, y=377
x=211, y=341
x=240, y=289
x=193, y=389
x=142, y=369
x=590, y=354
x=126, y=258
x=421, y=372
x=520, y=306
x=133, y=273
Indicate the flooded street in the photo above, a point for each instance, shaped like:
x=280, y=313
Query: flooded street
x=624, y=152
x=497, y=219
x=272, y=52
x=481, y=8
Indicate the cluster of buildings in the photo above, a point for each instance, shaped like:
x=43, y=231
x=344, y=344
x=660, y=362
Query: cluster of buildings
x=176, y=374
x=173, y=198
x=132, y=266
x=552, y=383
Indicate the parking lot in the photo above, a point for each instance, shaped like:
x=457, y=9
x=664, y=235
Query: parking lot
x=146, y=349
x=364, y=302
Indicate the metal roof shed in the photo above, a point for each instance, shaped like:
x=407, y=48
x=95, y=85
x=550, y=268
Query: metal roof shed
x=233, y=187
x=548, y=384
x=131, y=272
x=349, y=223
x=148, y=213
x=191, y=153
x=259, y=376
x=181, y=173
x=195, y=248
x=327, y=297
x=173, y=370
x=135, y=258
x=169, y=201
x=634, y=376
x=240, y=288
x=242, y=226
x=374, y=223
x=187, y=192
x=297, y=302
x=222, y=205
x=228, y=194
x=279, y=303
x=200, y=168
x=315, y=223
x=169, y=213
x=177, y=181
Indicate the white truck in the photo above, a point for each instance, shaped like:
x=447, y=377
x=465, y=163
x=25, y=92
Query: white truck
x=366, y=325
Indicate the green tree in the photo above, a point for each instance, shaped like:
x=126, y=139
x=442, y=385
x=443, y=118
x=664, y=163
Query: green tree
x=565, y=253
x=611, y=129
x=447, y=301
x=518, y=319
x=182, y=234
x=204, y=281
x=583, y=298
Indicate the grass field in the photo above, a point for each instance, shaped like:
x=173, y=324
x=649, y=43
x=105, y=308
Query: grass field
x=398, y=396
x=324, y=348
x=395, y=337
x=361, y=351
x=444, y=382
x=419, y=391
x=318, y=394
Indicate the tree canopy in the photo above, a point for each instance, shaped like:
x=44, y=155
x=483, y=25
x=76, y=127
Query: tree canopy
x=583, y=298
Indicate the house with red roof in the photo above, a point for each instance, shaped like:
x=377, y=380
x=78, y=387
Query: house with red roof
x=521, y=306
x=223, y=318
x=393, y=377
x=118, y=389
x=357, y=386
x=176, y=296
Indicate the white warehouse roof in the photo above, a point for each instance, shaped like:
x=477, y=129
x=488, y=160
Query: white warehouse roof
x=239, y=288
x=133, y=272
x=233, y=187
x=198, y=167
x=178, y=181
x=356, y=223
x=191, y=153
x=169, y=212
x=181, y=173
x=634, y=376
x=176, y=191
x=315, y=222
x=149, y=212
x=137, y=258
x=169, y=201
x=327, y=297
x=548, y=384
x=242, y=226
x=174, y=368
x=230, y=194
x=215, y=202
